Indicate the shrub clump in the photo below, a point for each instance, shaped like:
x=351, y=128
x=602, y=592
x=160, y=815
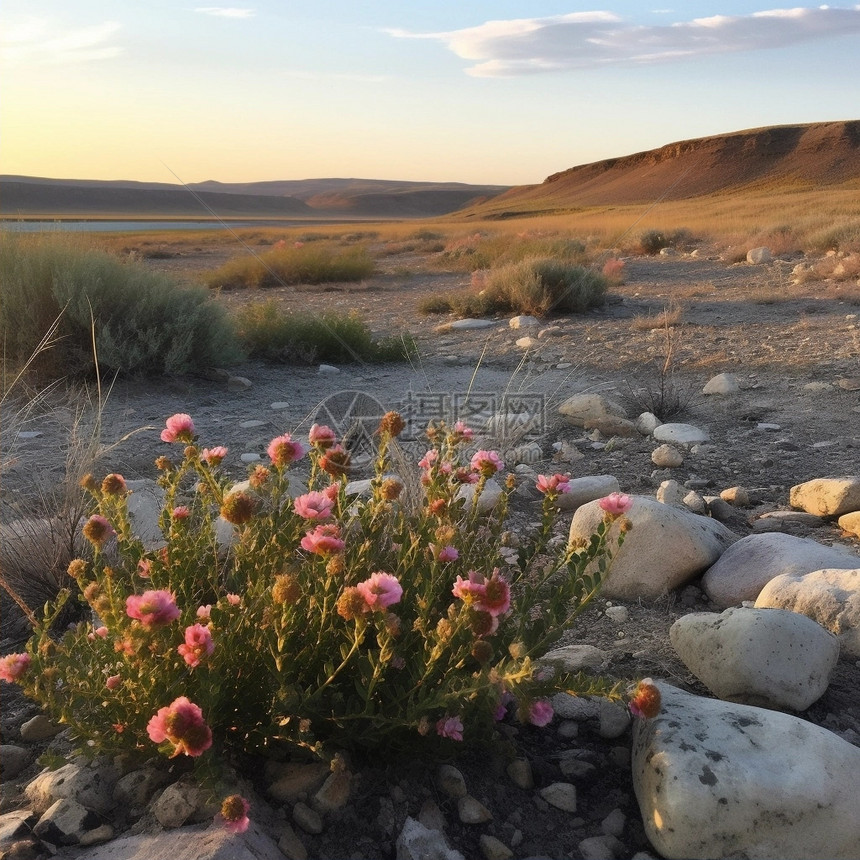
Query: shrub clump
x=298, y=263
x=537, y=286
x=143, y=321
x=270, y=333
x=322, y=621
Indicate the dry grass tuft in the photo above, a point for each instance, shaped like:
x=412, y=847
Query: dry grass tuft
x=669, y=317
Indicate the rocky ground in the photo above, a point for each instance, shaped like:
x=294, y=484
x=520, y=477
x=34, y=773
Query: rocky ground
x=795, y=349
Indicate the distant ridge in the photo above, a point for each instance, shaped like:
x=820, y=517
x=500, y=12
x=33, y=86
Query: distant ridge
x=30, y=196
x=785, y=157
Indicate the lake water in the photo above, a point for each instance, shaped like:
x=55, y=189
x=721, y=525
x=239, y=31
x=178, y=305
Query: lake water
x=123, y=226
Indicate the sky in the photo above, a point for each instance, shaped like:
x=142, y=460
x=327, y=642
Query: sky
x=502, y=92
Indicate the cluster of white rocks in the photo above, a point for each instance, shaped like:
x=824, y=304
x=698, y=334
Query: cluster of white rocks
x=732, y=776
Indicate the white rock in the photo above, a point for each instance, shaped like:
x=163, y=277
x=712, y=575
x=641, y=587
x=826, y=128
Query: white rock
x=417, y=842
x=647, y=423
x=667, y=457
x=523, y=321
x=587, y=489
x=747, y=566
x=569, y=707
x=249, y=457
x=580, y=408
x=665, y=547
x=759, y=255
x=328, y=369
x=489, y=498
x=450, y=781
x=192, y=843
x=830, y=596
x=470, y=324
x=768, y=425
x=65, y=822
x=527, y=342
x=39, y=728
x=561, y=795
x=722, y=383
x=176, y=804
x=715, y=779
x=144, y=506
x=766, y=657
x=850, y=523
x=670, y=493
x=494, y=849
x=827, y=497
x=617, y=614
x=694, y=502
x=472, y=811
x=239, y=383
x=681, y=434
x=279, y=405
x=575, y=658
x=251, y=423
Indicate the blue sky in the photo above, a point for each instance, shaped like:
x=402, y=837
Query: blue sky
x=502, y=92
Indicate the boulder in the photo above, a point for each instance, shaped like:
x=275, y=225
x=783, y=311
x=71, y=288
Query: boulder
x=417, y=842
x=744, y=569
x=664, y=548
x=590, y=407
x=722, y=383
x=145, y=501
x=587, y=489
x=850, y=523
x=827, y=497
x=667, y=457
x=760, y=255
x=766, y=657
x=488, y=499
x=523, y=321
x=203, y=842
x=715, y=779
x=831, y=597
x=680, y=434
x=90, y=786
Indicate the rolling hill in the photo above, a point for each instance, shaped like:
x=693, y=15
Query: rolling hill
x=777, y=158
x=26, y=196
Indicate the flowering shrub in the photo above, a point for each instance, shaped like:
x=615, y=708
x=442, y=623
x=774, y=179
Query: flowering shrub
x=370, y=624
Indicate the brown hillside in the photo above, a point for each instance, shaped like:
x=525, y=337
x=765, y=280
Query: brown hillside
x=776, y=158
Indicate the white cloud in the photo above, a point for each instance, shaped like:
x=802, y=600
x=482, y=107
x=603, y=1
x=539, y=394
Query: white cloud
x=226, y=11
x=32, y=40
x=589, y=39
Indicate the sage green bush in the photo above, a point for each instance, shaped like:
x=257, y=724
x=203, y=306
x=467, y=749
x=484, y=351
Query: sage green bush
x=142, y=321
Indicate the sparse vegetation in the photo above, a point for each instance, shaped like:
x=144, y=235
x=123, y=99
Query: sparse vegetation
x=298, y=263
x=489, y=250
x=142, y=321
x=270, y=333
x=534, y=286
x=671, y=315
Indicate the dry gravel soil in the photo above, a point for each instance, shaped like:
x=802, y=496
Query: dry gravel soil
x=777, y=337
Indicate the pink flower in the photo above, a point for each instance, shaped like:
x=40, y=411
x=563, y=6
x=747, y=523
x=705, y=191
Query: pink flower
x=97, y=530
x=13, y=666
x=181, y=724
x=314, y=505
x=321, y=436
x=101, y=632
x=553, y=484
x=144, y=568
x=323, y=540
x=198, y=644
x=487, y=463
x=152, y=608
x=462, y=432
x=234, y=814
x=234, y=599
x=179, y=428
x=213, y=456
x=502, y=708
x=428, y=459
x=540, y=713
x=381, y=590
x=616, y=504
x=448, y=553
x=450, y=727
x=180, y=512
x=496, y=597
x=645, y=702
x=283, y=450
x=204, y=611
x=464, y=476
x=469, y=590
x=113, y=682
